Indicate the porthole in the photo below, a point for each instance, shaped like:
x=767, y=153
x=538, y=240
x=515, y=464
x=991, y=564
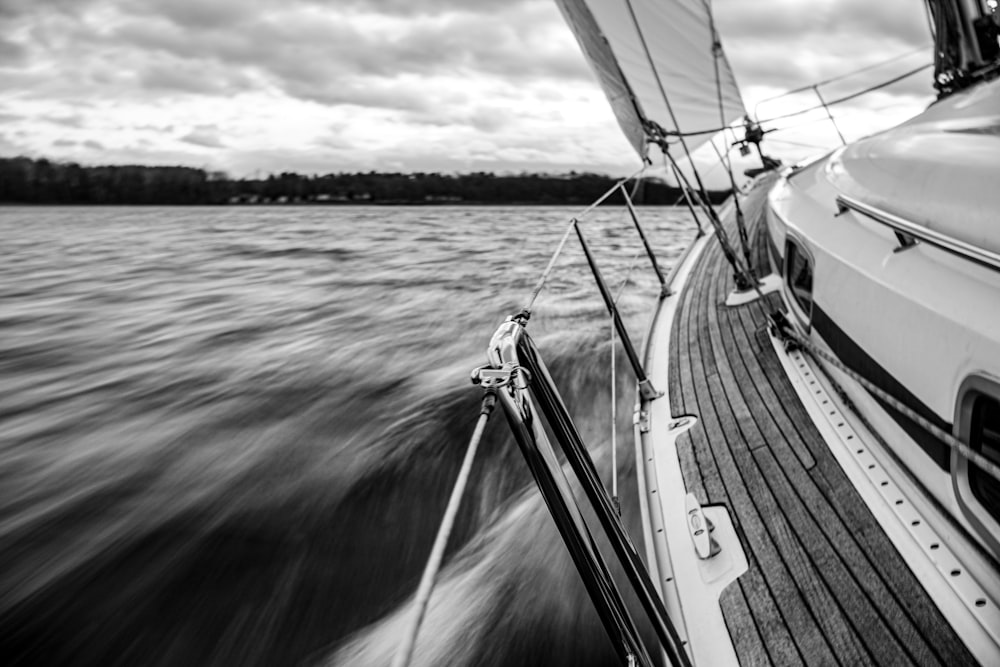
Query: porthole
x=799, y=278
x=978, y=424
x=984, y=439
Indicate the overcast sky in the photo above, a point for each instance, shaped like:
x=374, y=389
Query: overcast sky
x=317, y=86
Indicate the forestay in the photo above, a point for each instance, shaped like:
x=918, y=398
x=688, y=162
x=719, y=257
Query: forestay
x=656, y=61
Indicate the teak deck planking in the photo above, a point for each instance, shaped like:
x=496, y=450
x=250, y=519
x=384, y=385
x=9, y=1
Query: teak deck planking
x=825, y=584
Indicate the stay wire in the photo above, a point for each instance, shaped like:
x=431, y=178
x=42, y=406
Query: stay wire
x=740, y=222
x=666, y=101
x=739, y=272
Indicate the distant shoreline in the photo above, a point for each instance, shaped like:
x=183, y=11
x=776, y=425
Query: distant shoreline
x=39, y=181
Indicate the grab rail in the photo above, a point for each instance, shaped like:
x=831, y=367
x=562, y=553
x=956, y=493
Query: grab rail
x=900, y=225
x=526, y=391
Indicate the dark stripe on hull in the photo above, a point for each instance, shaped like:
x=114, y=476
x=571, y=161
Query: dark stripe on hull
x=854, y=356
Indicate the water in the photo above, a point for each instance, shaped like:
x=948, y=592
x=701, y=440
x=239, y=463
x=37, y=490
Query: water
x=227, y=435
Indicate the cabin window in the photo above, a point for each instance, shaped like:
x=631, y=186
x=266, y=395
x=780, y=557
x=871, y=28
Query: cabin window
x=799, y=276
x=984, y=438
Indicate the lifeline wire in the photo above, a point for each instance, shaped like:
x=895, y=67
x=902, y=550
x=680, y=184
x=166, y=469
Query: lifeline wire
x=562, y=243
x=847, y=98
x=405, y=652
x=839, y=100
x=845, y=75
x=614, y=401
x=614, y=418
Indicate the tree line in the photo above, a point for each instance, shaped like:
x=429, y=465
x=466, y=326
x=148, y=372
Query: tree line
x=40, y=181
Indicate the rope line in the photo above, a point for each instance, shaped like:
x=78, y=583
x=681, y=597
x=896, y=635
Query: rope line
x=427, y=581
x=983, y=463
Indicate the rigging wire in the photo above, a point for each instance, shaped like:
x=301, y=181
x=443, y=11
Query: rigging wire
x=831, y=103
x=840, y=77
x=405, y=652
x=614, y=407
x=614, y=402
x=526, y=311
x=852, y=96
x=666, y=102
x=614, y=422
x=739, y=274
x=740, y=222
x=800, y=144
x=744, y=279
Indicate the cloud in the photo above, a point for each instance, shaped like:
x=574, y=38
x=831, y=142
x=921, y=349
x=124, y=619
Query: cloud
x=418, y=7
x=10, y=9
x=75, y=120
x=319, y=55
x=206, y=136
x=190, y=77
x=12, y=53
x=471, y=83
x=789, y=44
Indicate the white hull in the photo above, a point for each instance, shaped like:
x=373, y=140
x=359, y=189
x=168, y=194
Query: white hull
x=920, y=322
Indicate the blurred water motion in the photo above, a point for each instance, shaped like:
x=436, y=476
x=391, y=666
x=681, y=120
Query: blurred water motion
x=227, y=435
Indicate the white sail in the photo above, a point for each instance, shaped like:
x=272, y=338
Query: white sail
x=656, y=61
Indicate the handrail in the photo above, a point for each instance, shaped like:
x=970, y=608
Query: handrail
x=981, y=256
x=526, y=381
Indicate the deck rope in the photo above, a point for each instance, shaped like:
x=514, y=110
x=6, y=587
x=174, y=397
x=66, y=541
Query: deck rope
x=427, y=581
x=785, y=332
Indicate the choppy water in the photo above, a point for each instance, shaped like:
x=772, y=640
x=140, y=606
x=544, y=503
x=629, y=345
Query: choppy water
x=227, y=435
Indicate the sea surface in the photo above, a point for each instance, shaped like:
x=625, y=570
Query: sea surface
x=227, y=435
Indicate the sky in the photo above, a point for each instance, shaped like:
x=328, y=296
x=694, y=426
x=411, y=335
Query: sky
x=253, y=87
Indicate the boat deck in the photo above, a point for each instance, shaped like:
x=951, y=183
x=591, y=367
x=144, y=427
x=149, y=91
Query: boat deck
x=825, y=585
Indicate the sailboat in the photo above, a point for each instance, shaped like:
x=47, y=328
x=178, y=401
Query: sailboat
x=818, y=397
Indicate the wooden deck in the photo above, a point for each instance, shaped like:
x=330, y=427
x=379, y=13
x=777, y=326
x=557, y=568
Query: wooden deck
x=825, y=585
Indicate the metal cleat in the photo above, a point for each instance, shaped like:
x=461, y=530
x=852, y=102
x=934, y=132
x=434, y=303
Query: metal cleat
x=700, y=529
